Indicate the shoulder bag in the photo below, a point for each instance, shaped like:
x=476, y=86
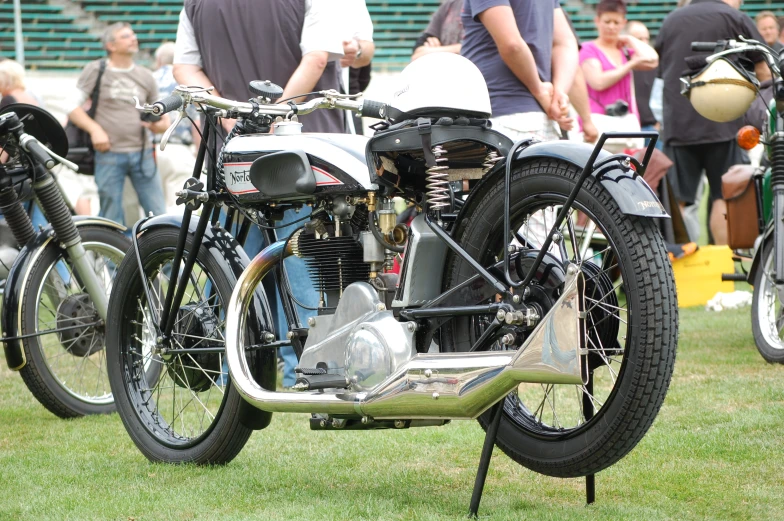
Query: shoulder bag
x=80, y=145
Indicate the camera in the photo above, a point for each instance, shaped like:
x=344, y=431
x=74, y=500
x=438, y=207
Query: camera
x=149, y=117
x=619, y=108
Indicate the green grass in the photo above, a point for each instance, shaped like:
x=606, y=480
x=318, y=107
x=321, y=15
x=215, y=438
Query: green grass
x=715, y=452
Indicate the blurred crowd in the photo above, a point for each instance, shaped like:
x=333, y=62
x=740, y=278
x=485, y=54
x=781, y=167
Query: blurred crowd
x=543, y=82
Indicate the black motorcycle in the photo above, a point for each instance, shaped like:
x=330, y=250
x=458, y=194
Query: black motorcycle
x=547, y=291
x=57, y=291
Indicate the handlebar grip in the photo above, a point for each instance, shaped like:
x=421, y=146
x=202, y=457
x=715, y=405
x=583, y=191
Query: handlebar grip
x=704, y=46
x=38, y=151
x=167, y=104
x=374, y=109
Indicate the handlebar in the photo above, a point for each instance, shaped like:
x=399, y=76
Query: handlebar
x=39, y=153
x=167, y=104
x=42, y=154
x=330, y=99
x=10, y=122
x=373, y=109
x=200, y=97
x=722, y=48
x=706, y=46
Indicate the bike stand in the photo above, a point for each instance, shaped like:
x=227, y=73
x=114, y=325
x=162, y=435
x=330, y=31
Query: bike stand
x=590, y=479
x=590, y=489
x=487, y=452
x=484, y=459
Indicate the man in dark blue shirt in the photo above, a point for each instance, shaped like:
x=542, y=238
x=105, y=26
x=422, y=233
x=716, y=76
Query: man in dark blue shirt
x=528, y=56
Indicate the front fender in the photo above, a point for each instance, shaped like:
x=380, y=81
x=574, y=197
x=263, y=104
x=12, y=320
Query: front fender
x=10, y=318
x=627, y=187
x=231, y=257
x=759, y=246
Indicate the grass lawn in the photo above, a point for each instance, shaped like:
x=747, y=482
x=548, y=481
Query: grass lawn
x=715, y=452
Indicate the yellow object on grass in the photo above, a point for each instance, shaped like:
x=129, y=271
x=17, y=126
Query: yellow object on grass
x=698, y=276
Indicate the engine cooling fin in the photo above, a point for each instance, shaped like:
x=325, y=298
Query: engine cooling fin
x=333, y=262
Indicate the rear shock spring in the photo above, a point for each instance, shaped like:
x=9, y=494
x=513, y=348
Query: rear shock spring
x=438, y=181
x=491, y=159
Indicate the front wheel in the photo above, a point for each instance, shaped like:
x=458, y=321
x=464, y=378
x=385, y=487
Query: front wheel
x=767, y=311
x=66, y=361
x=631, y=321
x=189, y=411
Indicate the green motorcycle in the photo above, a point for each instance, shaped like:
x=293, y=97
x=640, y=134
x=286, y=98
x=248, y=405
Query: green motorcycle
x=767, y=269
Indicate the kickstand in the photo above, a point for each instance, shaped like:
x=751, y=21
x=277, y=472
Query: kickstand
x=590, y=489
x=590, y=479
x=484, y=459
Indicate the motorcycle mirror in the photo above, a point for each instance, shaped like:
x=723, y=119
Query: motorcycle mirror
x=42, y=125
x=748, y=137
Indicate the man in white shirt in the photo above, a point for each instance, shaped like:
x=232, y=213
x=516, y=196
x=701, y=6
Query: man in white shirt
x=294, y=44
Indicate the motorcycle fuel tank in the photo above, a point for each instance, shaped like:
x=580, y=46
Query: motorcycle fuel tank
x=337, y=162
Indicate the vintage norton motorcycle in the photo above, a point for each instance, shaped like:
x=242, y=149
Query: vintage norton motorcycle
x=723, y=91
x=57, y=291
x=546, y=293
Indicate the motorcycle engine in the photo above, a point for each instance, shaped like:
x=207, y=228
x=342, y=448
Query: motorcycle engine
x=362, y=341
x=332, y=251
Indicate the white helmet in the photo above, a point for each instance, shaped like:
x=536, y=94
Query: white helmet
x=441, y=84
x=723, y=91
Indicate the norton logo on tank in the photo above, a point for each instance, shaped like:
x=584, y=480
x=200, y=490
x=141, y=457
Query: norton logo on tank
x=237, y=178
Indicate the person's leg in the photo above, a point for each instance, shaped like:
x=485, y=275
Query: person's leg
x=688, y=172
x=110, y=171
x=651, y=128
x=132, y=210
x=302, y=288
x=719, y=158
x=175, y=166
x=147, y=182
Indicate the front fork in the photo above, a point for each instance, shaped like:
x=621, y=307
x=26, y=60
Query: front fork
x=778, y=236
x=53, y=204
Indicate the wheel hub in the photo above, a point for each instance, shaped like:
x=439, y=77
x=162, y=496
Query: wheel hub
x=76, y=310
x=195, y=326
x=546, y=285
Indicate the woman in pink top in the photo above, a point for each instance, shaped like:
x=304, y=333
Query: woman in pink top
x=607, y=62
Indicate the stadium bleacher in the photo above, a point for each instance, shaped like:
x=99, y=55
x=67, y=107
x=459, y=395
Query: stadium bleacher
x=65, y=37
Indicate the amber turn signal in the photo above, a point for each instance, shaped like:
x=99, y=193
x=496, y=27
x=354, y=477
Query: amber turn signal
x=748, y=137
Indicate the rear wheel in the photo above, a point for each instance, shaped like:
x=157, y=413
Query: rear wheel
x=767, y=311
x=190, y=413
x=575, y=430
x=66, y=369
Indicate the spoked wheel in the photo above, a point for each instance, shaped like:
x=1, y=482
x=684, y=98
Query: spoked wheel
x=66, y=363
x=767, y=311
x=575, y=430
x=189, y=413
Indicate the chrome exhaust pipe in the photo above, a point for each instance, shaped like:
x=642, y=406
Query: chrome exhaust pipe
x=429, y=386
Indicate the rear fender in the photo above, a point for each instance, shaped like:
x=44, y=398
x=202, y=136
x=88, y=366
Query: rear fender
x=233, y=260
x=633, y=195
x=11, y=316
